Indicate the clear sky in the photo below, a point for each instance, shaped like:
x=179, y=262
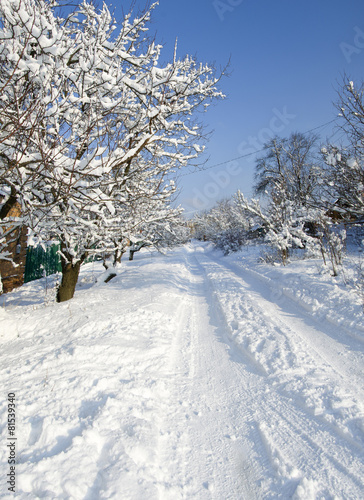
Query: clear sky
x=287, y=59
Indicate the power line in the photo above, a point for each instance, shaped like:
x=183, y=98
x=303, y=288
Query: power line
x=253, y=153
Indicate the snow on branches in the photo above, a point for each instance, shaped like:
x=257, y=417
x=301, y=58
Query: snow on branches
x=93, y=124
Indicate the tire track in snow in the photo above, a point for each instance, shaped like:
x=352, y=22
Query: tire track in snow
x=173, y=440
x=317, y=351
x=122, y=396
x=326, y=338
x=203, y=452
x=294, y=424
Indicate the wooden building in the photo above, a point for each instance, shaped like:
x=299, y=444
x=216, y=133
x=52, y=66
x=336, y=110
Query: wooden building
x=13, y=276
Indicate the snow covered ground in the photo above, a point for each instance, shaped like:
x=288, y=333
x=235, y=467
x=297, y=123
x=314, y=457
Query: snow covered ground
x=188, y=376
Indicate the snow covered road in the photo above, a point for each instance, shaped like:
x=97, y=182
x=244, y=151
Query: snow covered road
x=306, y=404
x=186, y=377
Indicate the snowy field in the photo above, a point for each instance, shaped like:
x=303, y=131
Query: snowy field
x=188, y=376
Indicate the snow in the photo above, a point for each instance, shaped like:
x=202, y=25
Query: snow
x=352, y=163
x=189, y=375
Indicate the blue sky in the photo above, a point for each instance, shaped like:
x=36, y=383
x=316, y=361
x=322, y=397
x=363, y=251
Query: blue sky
x=287, y=59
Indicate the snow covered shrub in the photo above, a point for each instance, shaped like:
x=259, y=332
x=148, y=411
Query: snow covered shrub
x=331, y=238
x=285, y=226
x=224, y=225
x=358, y=277
x=269, y=255
x=353, y=273
x=230, y=240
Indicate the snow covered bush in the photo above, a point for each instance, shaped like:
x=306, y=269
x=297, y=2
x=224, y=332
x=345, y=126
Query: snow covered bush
x=231, y=240
x=332, y=239
x=344, y=184
x=290, y=227
x=288, y=175
x=224, y=225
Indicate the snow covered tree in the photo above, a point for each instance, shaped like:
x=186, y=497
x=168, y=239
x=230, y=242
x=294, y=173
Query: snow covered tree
x=28, y=77
x=289, y=169
x=290, y=231
x=344, y=182
x=289, y=176
x=350, y=106
x=149, y=222
x=116, y=124
x=285, y=224
x=225, y=224
x=166, y=229
x=344, y=164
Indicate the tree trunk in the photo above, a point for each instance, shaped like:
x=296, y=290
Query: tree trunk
x=285, y=255
x=8, y=205
x=117, y=257
x=69, y=280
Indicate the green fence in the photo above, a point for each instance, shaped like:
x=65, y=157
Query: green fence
x=40, y=262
